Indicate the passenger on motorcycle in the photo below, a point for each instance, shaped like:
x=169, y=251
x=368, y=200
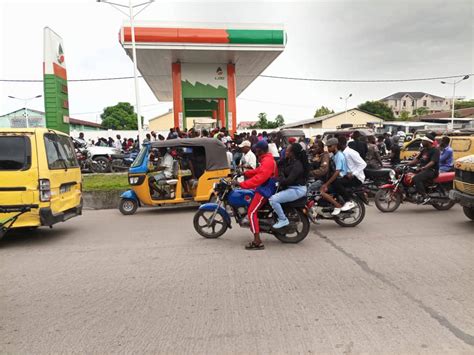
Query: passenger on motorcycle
x=255, y=178
x=340, y=171
x=428, y=161
x=320, y=165
x=293, y=173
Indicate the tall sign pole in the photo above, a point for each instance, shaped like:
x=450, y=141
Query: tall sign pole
x=56, y=100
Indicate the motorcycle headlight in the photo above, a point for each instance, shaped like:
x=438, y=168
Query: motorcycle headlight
x=133, y=180
x=392, y=174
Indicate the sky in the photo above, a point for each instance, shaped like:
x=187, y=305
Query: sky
x=339, y=39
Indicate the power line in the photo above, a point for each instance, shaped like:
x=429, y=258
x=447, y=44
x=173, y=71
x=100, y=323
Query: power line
x=262, y=76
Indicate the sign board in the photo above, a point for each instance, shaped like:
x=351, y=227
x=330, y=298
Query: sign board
x=56, y=100
x=204, y=80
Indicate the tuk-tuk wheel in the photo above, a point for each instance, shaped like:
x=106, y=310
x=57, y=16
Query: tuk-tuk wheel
x=128, y=206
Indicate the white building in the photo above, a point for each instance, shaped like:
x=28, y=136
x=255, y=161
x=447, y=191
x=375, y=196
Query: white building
x=410, y=101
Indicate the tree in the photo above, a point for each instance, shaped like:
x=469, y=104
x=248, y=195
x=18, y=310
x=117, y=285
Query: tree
x=264, y=123
x=323, y=111
x=377, y=108
x=120, y=117
x=404, y=116
x=421, y=111
x=463, y=104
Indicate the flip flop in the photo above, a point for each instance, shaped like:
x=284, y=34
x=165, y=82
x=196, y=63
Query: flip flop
x=253, y=246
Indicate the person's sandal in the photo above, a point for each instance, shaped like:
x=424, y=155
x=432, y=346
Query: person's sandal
x=253, y=246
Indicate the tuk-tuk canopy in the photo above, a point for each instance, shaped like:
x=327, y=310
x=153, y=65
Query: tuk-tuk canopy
x=292, y=133
x=215, y=150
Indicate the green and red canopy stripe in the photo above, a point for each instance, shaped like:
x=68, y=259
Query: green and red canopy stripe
x=211, y=36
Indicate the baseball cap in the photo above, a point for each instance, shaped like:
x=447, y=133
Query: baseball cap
x=292, y=140
x=245, y=144
x=261, y=145
x=332, y=141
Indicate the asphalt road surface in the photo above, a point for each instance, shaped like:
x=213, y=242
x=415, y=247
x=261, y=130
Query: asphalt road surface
x=103, y=282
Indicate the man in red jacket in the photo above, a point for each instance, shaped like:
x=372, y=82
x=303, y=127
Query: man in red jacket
x=255, y=178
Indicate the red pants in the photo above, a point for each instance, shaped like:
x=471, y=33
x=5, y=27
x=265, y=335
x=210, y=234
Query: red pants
x=257, y=202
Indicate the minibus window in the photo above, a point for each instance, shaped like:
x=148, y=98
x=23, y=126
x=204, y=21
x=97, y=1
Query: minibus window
x=15, y=153
x=60, y=152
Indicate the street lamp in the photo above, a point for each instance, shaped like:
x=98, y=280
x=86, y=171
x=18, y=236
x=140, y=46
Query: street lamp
x=131, y=15
x=345, y=104
x=454, y=83
x=25, y=105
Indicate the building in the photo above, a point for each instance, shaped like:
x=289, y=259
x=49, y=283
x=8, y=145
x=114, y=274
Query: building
x=246, y=124
x=17, y=119
x=165, y=121
x=410, y=101
x=352, y=118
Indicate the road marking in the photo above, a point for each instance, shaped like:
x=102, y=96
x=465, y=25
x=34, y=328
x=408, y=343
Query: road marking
x=442, y=320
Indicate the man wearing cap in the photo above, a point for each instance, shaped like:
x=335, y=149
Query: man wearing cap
x=340, y=171
x=255, y=178
x=428, y=161
x=249, y=160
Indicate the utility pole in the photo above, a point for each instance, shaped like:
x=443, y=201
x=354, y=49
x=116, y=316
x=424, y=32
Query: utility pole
x=345, y=104
x=131, y=15
x=25, y=105
x=454, y=83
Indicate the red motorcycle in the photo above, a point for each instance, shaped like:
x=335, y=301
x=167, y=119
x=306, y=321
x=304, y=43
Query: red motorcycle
x=402, y=188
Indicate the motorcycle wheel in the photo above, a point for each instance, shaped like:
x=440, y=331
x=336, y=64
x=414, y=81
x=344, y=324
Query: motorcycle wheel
x=386, y=201
x=200, y=222
x=297, y=233
x=128, y=206
x=359, y=212
x=443, y=205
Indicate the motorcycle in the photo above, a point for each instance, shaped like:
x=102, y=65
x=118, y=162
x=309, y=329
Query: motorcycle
x=319, y=209
x=213, y=219
x=122, y=162
x=402, y=188
x=86, y=162
x=375, y=178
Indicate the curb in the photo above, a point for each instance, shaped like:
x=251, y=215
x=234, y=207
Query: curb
x=101, y=199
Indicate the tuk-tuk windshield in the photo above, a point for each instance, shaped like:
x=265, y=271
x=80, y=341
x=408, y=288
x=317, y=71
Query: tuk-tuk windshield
x=139, y=159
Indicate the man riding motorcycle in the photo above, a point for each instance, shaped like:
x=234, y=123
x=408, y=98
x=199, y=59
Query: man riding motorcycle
x=428, y=161
x=255, y=178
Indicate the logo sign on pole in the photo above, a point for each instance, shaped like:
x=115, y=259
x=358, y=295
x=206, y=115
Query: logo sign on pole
x=56, y=101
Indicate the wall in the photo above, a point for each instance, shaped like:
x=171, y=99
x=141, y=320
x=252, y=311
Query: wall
x=165, y=122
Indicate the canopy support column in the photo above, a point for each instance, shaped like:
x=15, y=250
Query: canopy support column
x=177, y=97
x=231, y=97
x=221, y=112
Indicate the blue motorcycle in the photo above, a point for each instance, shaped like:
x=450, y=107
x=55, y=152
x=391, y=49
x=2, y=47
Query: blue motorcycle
x=213, y=219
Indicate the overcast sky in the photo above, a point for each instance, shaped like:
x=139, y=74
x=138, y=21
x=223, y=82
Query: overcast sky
x=372, y=39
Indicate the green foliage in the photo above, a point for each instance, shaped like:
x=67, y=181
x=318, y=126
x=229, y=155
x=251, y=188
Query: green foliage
x=94, y=182
x=377, y=108
x=264, y=123
x=463, y=104
x=120, y=117
x=323, y=111
x=404, y=116
x=421, y=111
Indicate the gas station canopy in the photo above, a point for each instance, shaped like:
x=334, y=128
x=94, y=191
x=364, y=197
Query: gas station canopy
x=158, y=46
x=202, y=68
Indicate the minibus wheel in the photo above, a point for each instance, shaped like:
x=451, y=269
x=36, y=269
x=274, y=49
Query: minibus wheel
x=128, y=206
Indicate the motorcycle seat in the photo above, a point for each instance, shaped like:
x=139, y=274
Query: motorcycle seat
x=300, y=203
x=444, y=177
x=374, y=173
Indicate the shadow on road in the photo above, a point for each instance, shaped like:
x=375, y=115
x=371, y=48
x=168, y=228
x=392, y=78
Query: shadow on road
x=36, y=237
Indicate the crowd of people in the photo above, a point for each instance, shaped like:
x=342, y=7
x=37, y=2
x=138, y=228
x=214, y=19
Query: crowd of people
x=335, y=164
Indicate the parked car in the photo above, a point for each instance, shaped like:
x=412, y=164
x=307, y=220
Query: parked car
x=101, y=155
x=464, y=185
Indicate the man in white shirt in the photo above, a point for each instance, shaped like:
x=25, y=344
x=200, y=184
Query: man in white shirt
x=249, y=160
x=118, y=143
x=355, y=163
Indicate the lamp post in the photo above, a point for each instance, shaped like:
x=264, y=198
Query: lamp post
x=25, y=105
x=454, y=83
x=131, y=15
x=345, y=104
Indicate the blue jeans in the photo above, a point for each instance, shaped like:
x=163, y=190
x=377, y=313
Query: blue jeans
x=292, y=193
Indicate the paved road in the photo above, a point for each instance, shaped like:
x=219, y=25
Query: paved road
x=398, y=283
